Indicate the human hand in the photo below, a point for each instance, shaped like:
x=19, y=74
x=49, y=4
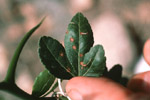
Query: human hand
x=87, y=88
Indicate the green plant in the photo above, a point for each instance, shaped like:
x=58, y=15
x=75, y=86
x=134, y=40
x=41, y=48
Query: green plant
x=77, y=58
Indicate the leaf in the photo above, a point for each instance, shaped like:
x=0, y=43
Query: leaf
x=94, y=64
x=124, y=81
x=42, y=83
x=54, y=58
x=78, y=40
x=10, y=77
x=115, y=73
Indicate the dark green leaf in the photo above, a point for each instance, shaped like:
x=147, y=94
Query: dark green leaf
x=124, y=81
x=78, y=40
x=54, y=58
x=42, y=83
x=115, y=73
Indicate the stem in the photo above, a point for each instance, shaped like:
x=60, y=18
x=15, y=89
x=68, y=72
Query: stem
x=10, y=77
x=61, y=90
x=68, y=98
x=15, y=90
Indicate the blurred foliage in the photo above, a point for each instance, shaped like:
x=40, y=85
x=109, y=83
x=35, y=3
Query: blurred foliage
x=1, y=97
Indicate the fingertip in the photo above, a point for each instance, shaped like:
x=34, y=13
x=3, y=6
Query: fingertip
x=140, y=82
x=146, y=51
x=73, y=88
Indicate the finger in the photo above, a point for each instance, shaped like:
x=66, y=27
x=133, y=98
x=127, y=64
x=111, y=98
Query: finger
x=85, y=88
x=146, y=51
x=140, y=96
x=140, y=83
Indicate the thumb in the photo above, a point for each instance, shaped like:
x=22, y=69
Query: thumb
x=87, y=88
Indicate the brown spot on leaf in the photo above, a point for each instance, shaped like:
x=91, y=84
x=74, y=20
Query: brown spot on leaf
x=67, y=32
x=71, y=39
x=74, y=47
x=82, y=33
x=61, y=54
x=72, y=23
x=68, y=70
x=82, y=64
x=81, y=55
x=82, y=67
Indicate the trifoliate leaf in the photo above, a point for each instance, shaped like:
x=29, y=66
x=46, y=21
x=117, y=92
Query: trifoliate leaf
x=78, y=58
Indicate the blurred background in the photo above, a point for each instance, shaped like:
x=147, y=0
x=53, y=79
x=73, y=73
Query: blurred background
x=121, y=26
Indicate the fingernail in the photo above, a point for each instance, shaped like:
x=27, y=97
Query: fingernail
x=75, y=95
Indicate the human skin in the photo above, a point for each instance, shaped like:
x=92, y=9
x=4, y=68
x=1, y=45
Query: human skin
x=88, y=88
x=146, y=51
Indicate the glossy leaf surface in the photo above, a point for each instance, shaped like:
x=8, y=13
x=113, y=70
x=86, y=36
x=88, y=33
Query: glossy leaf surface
x=42, y=83
x=78, y=40
x=53, y=56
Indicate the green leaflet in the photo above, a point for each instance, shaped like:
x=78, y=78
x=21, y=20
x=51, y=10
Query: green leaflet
x=53, y=56
x=78, y=40
x=93, y=64
x=115, y=74
x=78, y=58
x=42, y=83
